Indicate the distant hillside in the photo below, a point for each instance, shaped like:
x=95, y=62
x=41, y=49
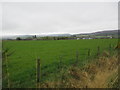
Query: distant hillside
x=58, y=35
x=103, y=33
x=30, y=36
x=113, y=33
x=15, y=36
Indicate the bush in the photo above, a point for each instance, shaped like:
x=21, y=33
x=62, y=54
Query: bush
x=18, y=38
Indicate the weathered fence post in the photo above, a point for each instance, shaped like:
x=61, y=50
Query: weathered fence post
x=77, y=57
x=88, y=52
x=98, y=51
x=7, y=71
x=60, y=62
x=38, y=72
x=110, y=46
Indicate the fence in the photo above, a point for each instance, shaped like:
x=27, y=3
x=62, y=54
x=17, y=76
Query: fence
x=60, y=64
x=38, y=73
x=88, y=55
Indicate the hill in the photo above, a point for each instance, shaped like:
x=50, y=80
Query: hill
x=113, y=33
x=110, y=33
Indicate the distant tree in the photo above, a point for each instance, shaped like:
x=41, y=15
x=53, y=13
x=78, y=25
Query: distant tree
x=73, y=35
x=58, y=38
x=18, y=38
x=54, y=38
x=34, y=36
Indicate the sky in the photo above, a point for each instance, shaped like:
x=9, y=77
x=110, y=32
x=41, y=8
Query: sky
x=58, y=17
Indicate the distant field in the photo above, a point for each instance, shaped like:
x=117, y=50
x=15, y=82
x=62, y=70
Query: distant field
x=22, y=63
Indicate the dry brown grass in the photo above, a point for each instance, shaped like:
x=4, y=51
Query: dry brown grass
x=118, y=46
x=94, y=75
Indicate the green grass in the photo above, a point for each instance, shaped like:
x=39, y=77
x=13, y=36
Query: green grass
x=22, y=63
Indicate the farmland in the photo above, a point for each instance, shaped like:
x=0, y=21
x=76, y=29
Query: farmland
x=22, y=61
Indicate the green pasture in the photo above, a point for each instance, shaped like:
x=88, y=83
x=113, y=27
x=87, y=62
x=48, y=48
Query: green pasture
x=22, y=61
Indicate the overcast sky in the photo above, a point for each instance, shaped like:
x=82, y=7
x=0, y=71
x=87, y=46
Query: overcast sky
x=58, y=17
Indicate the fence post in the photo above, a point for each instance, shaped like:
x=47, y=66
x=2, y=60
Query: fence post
x=110, y=48
x=88, y=52
x=60, y=62
x=7, y=71
x=38, y=72
x=98, y=52
x=77, y=56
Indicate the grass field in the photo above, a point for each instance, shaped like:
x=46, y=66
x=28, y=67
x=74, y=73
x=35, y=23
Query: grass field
x=22, y=63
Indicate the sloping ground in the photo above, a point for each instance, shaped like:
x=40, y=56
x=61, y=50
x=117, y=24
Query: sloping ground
x=103, y=73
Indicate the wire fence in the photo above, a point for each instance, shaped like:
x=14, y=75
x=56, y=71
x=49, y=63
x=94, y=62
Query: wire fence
x=82, y=57
x=80, y=60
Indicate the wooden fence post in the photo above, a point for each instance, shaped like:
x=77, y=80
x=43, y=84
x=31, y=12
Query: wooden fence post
x=77, y=57
x=7, y=71
x=110, y=48
x=38, y=72
x=98, y=51
x=60, y=62
x=88, y=52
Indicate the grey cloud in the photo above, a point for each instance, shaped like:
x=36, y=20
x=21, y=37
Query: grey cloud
x=28, y=18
